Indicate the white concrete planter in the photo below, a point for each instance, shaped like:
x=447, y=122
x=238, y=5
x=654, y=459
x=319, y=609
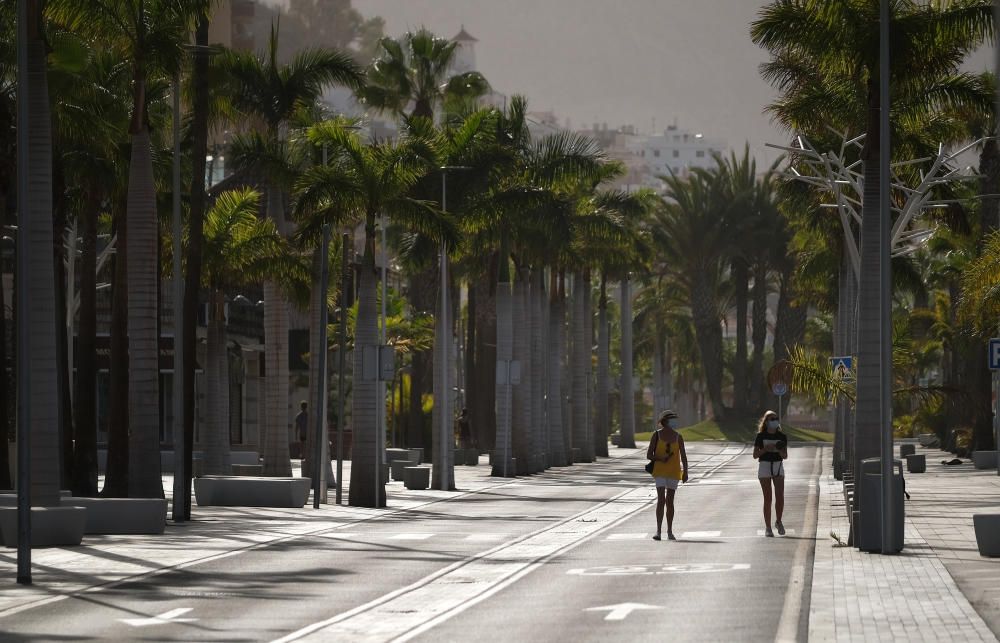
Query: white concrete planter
x=417, y=455
x=50, y=526
x=122, y=515
x=245, y=491
x=471, y=457
x=247, y=469
x=398, y=466
x=916, y=463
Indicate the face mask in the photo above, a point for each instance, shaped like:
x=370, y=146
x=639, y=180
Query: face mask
x=672, y=423
x=772, y=425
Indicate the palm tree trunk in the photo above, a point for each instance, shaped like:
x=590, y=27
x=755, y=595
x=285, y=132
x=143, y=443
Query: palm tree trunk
x=5, y=472
x=580, y=353
x=789, y=324
x=366, y=490
x=36, y=224
x=196, y=221
x=538, y=426
x=116, y=475
x=421, y=291
x=627, y=439
x=62, y=341
x=143, y=343
x=84, y=481
x=741, y=278
x=558, y=454
x=602, y=424
x=483, y=407
x=521, y=394
x=868, y=422
x=593, y=438
x=758, y=388
x=215, y=437
x=502, y=466
x=709, y=336
x=276, y=430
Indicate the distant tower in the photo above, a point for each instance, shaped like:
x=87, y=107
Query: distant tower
x=465, y=52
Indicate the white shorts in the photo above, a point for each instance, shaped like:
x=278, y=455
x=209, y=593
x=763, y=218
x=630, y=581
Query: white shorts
x=669, y=483
x=770, y=469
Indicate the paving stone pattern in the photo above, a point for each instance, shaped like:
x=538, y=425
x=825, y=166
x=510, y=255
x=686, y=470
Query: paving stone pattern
x=911, y=596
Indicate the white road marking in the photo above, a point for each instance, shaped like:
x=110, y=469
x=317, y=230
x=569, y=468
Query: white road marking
x=164, y=618
x=412, y=610
x=410, y=536
x=620, y=611
x=627, y=537
x=649, y=570
x=701, y=534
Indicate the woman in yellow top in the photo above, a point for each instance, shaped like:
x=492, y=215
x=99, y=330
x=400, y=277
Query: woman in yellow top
x=670, y=467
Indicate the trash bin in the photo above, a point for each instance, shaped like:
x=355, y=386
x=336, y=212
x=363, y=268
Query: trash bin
x=869, y=536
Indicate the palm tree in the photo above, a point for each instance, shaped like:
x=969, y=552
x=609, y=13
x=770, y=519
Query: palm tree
x=239, y=249
x=825, y=63
x=152, y=33
x=693, y=233
x=414, y=73
x=360, y=183
x=263, y=89
x=413, y=76
x=36, y=322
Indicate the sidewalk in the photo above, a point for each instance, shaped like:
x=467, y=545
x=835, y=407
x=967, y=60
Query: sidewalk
x=923, y=593
x=215, y=532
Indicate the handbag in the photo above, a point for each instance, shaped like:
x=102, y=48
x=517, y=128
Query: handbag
x=649, y=465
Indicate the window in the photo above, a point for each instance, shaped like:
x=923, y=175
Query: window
x=677, y=153
x=700, y=154
x=656, y=153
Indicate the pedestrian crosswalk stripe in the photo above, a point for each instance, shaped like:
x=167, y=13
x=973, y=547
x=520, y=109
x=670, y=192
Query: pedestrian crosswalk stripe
x=410, y=536
x=701, y=534
x=627, y=536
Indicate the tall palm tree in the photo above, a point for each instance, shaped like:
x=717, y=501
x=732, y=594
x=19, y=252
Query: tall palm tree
x=360, y=183
x=412, y=76
x=152, y=33
x=239, y=249
x=825, y=61
x=693, y=233
x=37, y=324
x=270, y=93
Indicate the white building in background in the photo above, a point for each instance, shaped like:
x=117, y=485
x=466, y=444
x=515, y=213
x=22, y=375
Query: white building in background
x=465, y=53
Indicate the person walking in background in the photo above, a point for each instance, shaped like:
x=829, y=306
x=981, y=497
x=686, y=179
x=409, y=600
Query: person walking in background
x=670, y=467
x=770, y=448
x=301, y=429
x=464, y=430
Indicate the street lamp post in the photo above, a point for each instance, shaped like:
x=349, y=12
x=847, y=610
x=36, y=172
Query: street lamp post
x=446, y=476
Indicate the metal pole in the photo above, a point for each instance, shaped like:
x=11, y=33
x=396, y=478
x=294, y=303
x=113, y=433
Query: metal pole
x=381, y=341
x=319, y=468
x=885, y=286
x=23, y=339
x=996, y=374
x=445, y=447
x=342, y=359
x=177, y=509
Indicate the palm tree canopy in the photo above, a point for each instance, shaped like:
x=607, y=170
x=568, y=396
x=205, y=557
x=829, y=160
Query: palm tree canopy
x=257, y=84
x=414, y=70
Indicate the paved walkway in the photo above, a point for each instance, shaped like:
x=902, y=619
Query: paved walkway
x=939, y=588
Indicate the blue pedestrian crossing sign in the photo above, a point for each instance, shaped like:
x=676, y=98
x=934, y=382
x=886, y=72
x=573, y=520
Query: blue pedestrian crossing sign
x=842, y=368
x=994, y=354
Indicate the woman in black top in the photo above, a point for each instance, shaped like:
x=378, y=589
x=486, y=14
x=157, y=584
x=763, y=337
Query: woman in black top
x=770, y=448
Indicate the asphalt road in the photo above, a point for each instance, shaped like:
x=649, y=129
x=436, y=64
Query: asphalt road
x=565, y=555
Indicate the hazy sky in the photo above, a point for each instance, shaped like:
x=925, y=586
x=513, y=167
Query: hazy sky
x=615, y=61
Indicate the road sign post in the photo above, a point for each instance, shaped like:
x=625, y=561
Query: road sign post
x=779, y=380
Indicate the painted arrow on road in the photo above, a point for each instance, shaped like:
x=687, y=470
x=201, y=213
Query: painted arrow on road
x=620, y=611
x=166, y=617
